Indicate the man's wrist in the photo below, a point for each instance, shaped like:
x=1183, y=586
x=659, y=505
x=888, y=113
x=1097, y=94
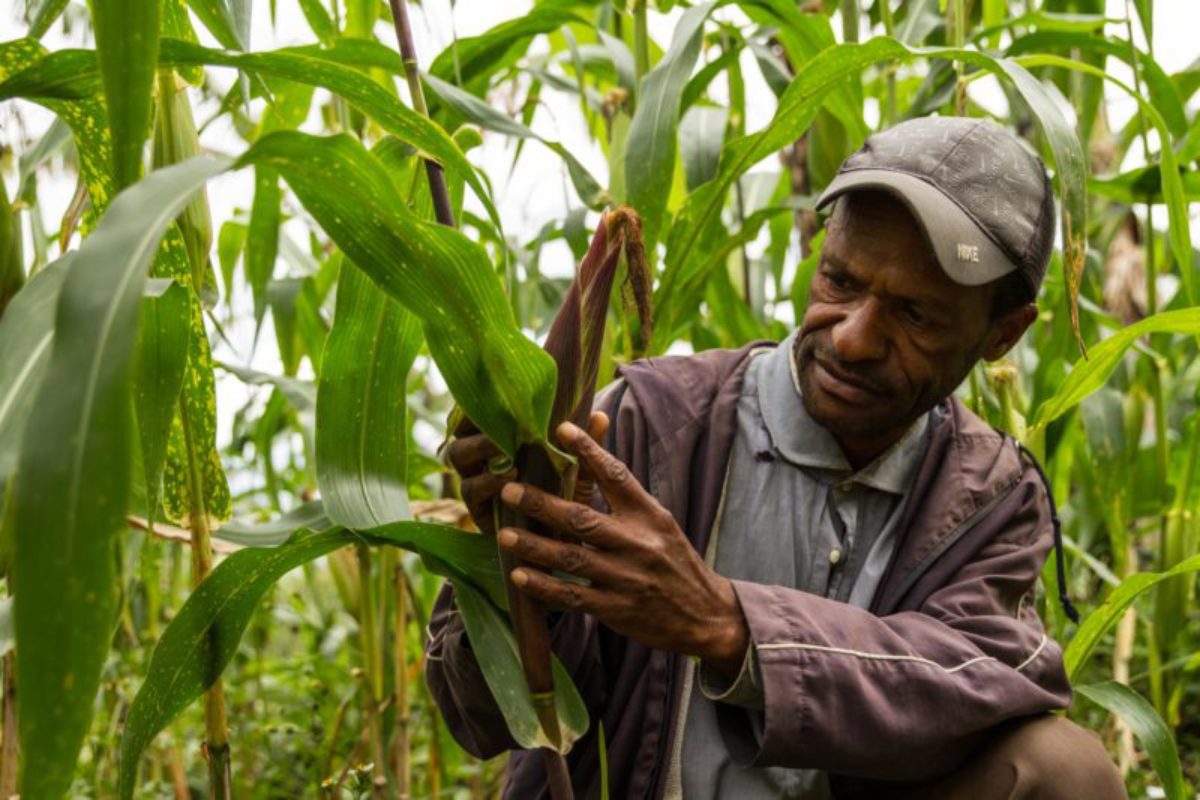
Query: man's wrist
x=726, y=650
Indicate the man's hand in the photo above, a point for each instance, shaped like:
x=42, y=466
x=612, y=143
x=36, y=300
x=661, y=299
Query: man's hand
x=647, y=581
x=471, y=451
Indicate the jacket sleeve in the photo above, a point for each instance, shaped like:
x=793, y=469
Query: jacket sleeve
x=452, y=672
x=903, y=696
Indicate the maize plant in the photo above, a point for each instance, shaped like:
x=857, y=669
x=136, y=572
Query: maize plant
x=257, y=260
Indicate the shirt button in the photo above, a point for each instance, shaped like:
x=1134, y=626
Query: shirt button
x=843, y=487
x=835, y=555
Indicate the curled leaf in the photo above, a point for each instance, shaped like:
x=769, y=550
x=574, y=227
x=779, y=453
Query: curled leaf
x=576, y=336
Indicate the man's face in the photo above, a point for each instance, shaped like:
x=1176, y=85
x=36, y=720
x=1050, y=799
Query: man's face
x=886, y=334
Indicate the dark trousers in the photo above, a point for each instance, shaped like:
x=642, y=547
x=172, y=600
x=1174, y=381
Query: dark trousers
x=1042, y=758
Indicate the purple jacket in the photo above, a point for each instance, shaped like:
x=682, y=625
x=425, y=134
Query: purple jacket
x=951, y=646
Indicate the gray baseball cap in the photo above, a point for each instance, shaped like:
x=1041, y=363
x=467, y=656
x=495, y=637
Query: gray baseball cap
x=982, y=197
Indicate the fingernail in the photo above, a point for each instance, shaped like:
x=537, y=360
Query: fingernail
x=511, y=493
x=568, y=431
x=507, y=537
x=519, y=578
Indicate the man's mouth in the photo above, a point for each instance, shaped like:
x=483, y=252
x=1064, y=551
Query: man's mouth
x=843, y=386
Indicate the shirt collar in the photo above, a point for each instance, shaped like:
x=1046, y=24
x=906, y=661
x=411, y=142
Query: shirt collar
x=801, y=440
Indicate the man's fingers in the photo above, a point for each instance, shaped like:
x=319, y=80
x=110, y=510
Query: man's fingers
x=469, y=455
x=597, y=426
x=585, y=483
x=556, y=593
x=616, y=482
x=562, y=556
x=479, y=492
x=574, y=519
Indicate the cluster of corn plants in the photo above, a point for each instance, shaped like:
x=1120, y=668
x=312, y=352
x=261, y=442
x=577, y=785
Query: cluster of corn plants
x=159, y=581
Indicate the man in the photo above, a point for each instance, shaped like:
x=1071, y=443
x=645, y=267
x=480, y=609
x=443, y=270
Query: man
x=813, y=572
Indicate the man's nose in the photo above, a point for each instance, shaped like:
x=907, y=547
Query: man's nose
x=860, y=336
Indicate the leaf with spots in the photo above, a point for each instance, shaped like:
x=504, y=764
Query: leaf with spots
x=74, y=484
x=501, y=379
x=127, y=35
x=85, y=116
x=362, y=408
x=72, y=74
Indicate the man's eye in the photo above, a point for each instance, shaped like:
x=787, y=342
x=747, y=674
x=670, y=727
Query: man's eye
x=838, y=281
x=916, y=316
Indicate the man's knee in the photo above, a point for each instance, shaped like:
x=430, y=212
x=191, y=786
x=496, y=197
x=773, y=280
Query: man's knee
x=1050, y=758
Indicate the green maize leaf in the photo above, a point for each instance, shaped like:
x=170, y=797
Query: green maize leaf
x=449, y=552
x=127, y=34
x=192, y=444
x=1144, y=184
x=300, y=393
x=194, y=649
x=365, y=54
x=471, y=61
x=1145, y=11
x=84, y=114
x=483, y=115
x=1047, y=21
x=190, y=411
x=699, y=83
x=52, y=142
x=1189, y=143
x=501, y=379
x=26, y=333
x=1089, y=375
x=681, y=293
x=1179, y=227
x=774, y=71
x=360, y=18
x=159, y=366
x=71, y=74
x=310, y=516
x=319, y=20
x=242, y=13
x=650, y=149
x=178, y=25
x=45, y=15
x=203, y=637
x=795, y=113
x=362, y=408
x=622, y=60
x=1147, y=726
x=175, y=140
x=701, y=136
x=495, y=647
x=1163, y=93
x=804, y=36
x=12, y=266
x=231, y=240
x=218, y=18
x=262, y=236
x=1100, y=621
x=70, y=501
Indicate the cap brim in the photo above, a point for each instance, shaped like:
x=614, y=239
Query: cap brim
x=963, y=250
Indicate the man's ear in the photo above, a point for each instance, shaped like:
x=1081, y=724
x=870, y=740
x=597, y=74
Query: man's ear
x=1007, y=330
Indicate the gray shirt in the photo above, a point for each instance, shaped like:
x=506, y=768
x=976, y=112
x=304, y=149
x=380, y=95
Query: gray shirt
x=793, y=513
